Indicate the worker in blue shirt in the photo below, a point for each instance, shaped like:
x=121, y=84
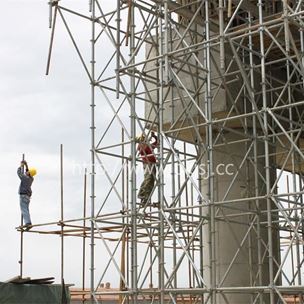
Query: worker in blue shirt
x=25, y=191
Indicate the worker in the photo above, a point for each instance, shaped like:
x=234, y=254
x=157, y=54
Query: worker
x=25, y=192
x=145, y=149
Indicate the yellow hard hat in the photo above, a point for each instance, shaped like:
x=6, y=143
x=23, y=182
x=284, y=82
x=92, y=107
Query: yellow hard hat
x=140, y=138
x=32, y=172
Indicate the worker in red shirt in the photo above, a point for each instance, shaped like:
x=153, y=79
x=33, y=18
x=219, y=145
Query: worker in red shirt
x=145, y=149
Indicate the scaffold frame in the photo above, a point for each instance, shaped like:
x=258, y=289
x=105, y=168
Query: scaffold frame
x=208, y=77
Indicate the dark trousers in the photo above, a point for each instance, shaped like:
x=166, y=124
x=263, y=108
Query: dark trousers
x=148, y=183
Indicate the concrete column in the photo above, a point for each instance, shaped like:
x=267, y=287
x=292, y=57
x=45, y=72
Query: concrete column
x=233, y=221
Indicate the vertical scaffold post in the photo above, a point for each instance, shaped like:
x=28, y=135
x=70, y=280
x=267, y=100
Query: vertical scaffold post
x=61, y=216
x=222, y=37
x=173, y=170
x=255, y=157
x=132, y=97
x=266, y=149
x=163, y=68
x=92, y=240
x=118, y=44
x=124, y=207
x=84, y=232
x=292, y=136
x=21, y=235
x=209, y=142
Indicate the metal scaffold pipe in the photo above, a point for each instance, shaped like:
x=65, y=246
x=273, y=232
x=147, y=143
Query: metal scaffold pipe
x=21, y=236
x=221, y=82
x=61, y=217
x=92, y=168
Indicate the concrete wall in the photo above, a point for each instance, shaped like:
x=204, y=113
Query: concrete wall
x=232, y=222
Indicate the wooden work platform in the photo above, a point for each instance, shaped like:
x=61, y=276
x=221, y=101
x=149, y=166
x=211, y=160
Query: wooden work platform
x=28, y=280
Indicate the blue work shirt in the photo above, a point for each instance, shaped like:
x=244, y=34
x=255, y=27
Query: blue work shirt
x=26, y=183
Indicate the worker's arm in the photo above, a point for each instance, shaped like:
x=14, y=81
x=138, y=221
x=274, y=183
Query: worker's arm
x=19, y=172
x=26, y=166
x=155, y=142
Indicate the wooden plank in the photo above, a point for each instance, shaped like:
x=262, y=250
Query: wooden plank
x=39, y=282
x=12, y=279
x=48, y=280
x=19, y=280
x=28, y=280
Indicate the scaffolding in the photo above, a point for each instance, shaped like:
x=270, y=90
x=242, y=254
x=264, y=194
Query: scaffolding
x=221, y=83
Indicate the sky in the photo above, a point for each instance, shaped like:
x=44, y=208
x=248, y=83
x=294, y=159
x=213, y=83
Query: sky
x=38, y=113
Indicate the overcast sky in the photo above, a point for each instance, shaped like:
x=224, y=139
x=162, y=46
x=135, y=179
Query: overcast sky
x=38, y=113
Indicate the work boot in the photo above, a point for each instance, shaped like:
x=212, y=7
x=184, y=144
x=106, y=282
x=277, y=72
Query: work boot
x=143, y=202
x=28, y=226
x=155, y=205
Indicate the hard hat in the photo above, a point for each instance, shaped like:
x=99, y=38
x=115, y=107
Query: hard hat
x=32, y=172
